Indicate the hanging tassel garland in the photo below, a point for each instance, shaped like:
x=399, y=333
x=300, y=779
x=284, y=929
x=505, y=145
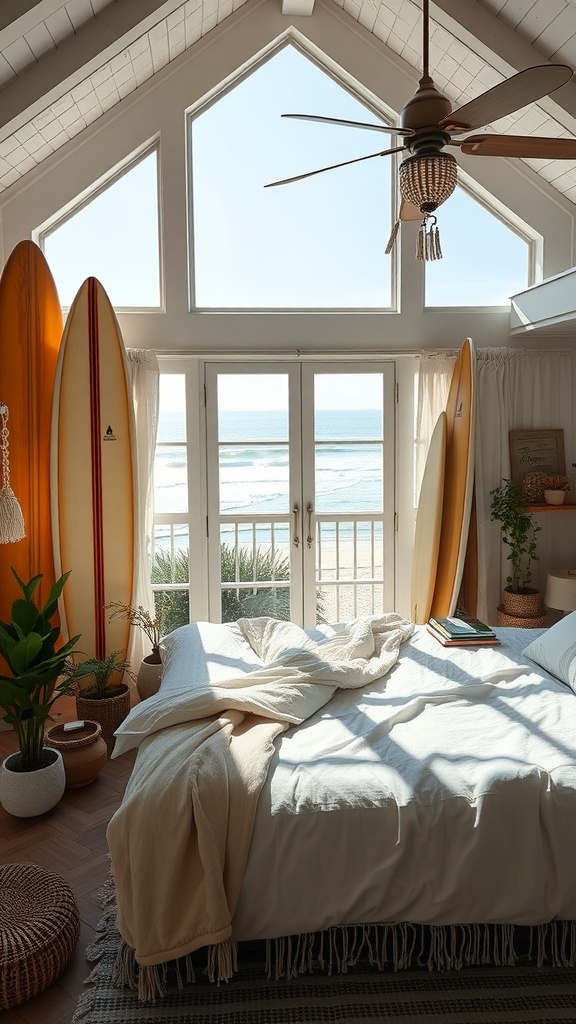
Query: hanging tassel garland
x=428, y=242
x=11, y=518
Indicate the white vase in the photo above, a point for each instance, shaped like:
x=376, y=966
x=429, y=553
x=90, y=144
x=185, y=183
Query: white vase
x=148, y=678
x=27, y=794
x=554, y=497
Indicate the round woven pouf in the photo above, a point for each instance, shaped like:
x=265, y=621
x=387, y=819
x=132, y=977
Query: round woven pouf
x=39, y=928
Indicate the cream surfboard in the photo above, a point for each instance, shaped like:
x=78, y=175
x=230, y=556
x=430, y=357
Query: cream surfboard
x=428, y=525
x=30, y=335
x=93, y=479
x=458, y=482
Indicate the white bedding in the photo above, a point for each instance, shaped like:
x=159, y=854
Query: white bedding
x=443, y=793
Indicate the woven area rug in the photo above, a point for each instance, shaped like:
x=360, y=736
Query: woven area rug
x=479, y=995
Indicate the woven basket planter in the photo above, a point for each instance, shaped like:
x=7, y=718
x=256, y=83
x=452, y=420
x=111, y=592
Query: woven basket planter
x=525, y=610
x=39, y=928
x=109, y=712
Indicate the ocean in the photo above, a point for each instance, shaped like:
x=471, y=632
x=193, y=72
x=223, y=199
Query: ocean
x=254, y=464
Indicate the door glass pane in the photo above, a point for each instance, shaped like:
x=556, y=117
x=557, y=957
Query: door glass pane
x=253, y=467
x=251, y=555
x=348, y=408
x=253, y=479
x=349, y=566
x=348, y=405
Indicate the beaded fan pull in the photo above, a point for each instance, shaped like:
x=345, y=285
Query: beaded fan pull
x=11, y=519
x=428, y=243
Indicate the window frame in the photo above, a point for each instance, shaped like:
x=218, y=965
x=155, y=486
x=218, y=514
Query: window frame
x=96, y=189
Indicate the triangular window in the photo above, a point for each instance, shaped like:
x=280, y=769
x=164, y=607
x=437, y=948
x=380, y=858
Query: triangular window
x=484, y=261
x=112, y=235
x=316, y=243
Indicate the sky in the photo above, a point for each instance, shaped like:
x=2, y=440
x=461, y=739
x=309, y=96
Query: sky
x=318, y=242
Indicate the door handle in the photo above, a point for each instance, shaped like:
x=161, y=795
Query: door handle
x=295, y=538
x=309, y=511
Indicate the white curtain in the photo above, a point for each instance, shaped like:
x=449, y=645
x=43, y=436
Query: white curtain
x=434, y=375
x=517, y=389
x=145, y=382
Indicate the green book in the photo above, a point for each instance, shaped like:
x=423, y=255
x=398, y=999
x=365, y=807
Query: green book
x=455, y=628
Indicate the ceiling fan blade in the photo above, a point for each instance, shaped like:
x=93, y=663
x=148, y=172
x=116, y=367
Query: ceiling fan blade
x=409, y=212
x=351, y=124
x=357, y=160
x=536, y=147
x=506, y=97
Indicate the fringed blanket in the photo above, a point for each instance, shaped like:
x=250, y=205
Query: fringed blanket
x=180, y=840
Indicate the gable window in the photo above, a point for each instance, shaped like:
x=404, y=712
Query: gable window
x=484, y=260
x=315, y=243
x=114, y=235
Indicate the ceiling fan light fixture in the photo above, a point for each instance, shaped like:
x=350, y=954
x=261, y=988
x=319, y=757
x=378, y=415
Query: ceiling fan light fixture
x=427, y=180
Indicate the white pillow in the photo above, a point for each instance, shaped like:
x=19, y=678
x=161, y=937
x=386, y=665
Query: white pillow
x=555, y=650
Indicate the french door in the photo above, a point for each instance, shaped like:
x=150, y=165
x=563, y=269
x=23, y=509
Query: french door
x=300, y=489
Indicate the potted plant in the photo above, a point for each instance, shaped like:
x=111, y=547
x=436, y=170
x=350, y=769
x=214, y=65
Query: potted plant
x=32, y=780
x=509, y=507
x=554, y=487
x=106, y=700
x=150, y=671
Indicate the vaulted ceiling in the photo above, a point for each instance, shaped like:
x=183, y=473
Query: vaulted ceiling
x=64, y=63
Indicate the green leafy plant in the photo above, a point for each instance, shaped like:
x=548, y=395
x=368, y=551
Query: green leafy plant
x=28, y=644
x=509, y=507
x=103, y=670
x=247, y=566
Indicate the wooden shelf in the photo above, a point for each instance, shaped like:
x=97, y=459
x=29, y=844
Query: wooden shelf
x=552, y=508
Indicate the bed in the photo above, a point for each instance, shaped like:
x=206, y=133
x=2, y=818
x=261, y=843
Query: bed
x=436, y=799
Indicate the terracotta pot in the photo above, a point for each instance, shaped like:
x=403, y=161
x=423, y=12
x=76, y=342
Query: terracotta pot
x=27, y=794
x=109, y=712
x=149, y=676
x=84, y=752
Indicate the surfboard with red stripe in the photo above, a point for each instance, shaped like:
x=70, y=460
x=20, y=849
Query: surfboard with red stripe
x=93, y=478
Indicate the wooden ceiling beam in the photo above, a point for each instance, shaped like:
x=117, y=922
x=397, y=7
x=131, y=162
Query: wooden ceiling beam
x=503, y=48
x=59, y=70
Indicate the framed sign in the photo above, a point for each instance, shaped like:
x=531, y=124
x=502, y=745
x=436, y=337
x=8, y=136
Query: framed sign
x=536, y=451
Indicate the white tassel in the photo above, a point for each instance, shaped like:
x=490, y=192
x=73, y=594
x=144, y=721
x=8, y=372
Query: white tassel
x=11, y=519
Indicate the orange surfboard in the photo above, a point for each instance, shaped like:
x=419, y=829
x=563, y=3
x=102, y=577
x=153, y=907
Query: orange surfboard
x=428, y=525
x=30, y=335
x=458, y=482
x=93, y=478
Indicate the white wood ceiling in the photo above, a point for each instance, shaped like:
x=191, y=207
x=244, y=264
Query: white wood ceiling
x=63, y=63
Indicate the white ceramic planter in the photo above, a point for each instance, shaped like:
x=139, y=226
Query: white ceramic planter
x=554, y=497
x=27, y=794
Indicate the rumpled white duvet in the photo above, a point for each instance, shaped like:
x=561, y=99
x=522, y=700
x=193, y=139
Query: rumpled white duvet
x=180, y=840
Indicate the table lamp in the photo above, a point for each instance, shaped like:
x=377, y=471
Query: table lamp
x=561, y=590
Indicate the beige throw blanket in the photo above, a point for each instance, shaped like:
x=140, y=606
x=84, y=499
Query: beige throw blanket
x=180, y=840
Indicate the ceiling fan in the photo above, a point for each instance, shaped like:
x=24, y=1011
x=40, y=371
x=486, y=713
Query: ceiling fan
x=428, y=124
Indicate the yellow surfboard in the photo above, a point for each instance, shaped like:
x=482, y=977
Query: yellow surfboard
x=30, y=335
x=93, y=478
x=428, y=525
x=458, y=481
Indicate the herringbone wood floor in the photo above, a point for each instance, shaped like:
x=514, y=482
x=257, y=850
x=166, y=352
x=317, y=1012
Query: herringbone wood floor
x=70, y=840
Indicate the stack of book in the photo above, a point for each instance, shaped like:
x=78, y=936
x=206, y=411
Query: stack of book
x=462, y=632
